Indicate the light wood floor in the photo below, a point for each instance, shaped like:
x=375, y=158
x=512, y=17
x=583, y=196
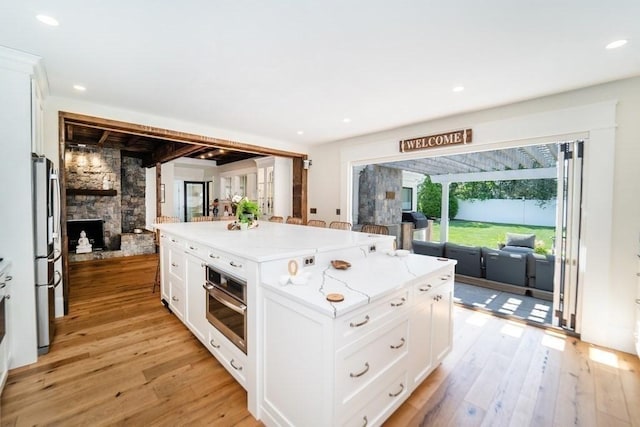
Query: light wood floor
x=119, y=358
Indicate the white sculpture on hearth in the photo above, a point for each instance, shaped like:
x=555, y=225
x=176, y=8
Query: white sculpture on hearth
x=83, y=244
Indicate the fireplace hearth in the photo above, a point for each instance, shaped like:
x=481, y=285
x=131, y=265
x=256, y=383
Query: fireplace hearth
x=94, y=228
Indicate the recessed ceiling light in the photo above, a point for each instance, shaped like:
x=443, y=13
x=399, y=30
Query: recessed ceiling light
x=458, y=88
x=346, y=120
x=79, y=88
x=210, y=154
x=300, y=132
x=616, y=44
x=221, y=151
x=48, y=20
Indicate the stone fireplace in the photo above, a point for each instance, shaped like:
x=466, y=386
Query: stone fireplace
x=107, y=187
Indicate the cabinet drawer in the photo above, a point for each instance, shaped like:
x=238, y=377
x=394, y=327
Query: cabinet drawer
x=234, y=361
x=177, y=301
x=386, y=400
x=228, y=263
x=196, y=249
x=425, y=287
x=361, y=363
x=356, y=325
x=176, y=262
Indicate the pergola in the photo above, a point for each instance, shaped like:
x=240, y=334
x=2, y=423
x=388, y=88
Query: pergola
x=519, y=163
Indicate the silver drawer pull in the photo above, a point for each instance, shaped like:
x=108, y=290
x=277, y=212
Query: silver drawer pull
x=237, y=368
x=192, y=248
x=395, y=347
x=398, y=304
x=8, y=278
x=176, y=299
x=173, y=264
x=361, y=373
x=213, y=344
x=213, y=256
x=365, y=421
x=235, y=264
x=174, y=240
x=445, y=277
x=364, y=322
x=425, y=288
x=638, y=301
x=398, y=393
x=437, y=298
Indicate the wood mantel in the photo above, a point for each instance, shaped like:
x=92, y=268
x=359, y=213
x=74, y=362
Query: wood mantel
x=90, y=192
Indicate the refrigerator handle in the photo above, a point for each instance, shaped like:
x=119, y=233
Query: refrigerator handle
x=55, y=181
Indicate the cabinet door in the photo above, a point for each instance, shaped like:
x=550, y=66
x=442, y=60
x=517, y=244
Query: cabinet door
x=196, y=298
x=420, y=340
x=164, y=273
x=441, y=322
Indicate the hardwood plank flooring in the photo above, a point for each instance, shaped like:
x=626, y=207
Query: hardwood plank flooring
x=120, y=358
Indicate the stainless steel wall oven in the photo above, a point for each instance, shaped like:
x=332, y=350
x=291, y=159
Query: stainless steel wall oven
x=227, y=305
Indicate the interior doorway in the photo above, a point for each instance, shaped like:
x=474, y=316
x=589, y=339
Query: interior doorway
x=196, y=199
x=546, y=289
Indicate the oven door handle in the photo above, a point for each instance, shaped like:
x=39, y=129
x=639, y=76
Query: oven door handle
x=227, y=301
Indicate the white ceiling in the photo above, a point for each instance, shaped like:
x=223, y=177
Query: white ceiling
x=274, y=67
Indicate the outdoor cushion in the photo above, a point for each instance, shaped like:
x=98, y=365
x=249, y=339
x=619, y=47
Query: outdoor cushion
x=506, y=267
x=468, y=257
x=525, y=240
x=428, y=248
x=518, y=249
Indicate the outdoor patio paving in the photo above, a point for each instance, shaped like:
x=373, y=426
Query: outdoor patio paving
x=531, y=309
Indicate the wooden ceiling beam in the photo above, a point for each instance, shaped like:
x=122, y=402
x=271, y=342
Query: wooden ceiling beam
x=104, y=137
x=166, y=155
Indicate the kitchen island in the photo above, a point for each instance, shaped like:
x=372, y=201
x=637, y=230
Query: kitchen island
x=308, y=360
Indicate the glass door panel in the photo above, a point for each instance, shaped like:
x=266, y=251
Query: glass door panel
x=195, y=199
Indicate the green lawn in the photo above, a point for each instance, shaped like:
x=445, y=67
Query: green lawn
x=489, y=234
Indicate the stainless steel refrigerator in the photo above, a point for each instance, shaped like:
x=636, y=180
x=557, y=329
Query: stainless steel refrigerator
x=46, y=227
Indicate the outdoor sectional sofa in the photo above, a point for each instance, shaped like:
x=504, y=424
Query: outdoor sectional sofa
x=514, y=264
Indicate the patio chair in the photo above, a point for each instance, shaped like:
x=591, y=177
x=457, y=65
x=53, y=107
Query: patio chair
x=201, y=218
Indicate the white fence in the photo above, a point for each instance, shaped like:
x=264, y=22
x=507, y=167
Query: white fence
x=526, y=212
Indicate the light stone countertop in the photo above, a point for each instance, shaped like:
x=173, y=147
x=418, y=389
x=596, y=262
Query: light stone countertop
x=271, y=241
x=372, y=276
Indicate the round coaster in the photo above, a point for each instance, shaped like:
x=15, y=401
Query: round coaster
x=335, y=297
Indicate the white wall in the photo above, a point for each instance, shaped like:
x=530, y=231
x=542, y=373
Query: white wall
x=502, y=211
x=606, y=116
x=16, y=232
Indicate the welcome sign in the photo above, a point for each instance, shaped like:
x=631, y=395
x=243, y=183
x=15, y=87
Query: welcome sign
x=425, y=142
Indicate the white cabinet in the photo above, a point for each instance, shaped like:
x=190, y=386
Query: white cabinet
x=431, y=323
x=275, y=186
x=234, y=361
x=351, y=370
x=637, y=305
x=173, y=273
x=195, y=317
x=5, y=298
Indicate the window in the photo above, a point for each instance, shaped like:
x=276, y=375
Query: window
x=407, y=198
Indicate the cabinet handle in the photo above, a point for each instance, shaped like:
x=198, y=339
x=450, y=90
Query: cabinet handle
x=174, y=240
x=173, y=264
x=163, y=235
x=212, y=256
x=176, y=299
x=398, y=393
x=7, y=296
x=8, y=278
x=364, y=322
x=445, y=277
x=395, y=347
x=361, y=373
x=237, y=368
x=398, y=304
x=192, y=248
x=3, y=285
x=425, y=288
x=638, y=301
x=234, y=264
x=365, y=421
x=213, y=344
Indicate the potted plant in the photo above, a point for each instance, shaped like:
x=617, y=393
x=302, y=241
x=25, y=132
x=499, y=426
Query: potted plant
x=247, y=211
